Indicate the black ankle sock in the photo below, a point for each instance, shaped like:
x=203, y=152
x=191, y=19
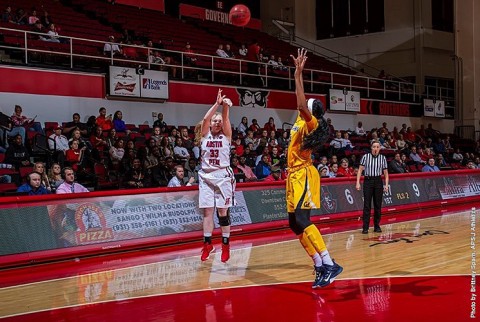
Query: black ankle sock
x=225, y=240
x=207, y=239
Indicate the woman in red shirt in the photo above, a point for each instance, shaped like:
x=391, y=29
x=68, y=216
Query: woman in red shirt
x=74, y=155
x=344, y=170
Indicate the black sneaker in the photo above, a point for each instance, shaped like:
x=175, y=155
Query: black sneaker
x=377, y=230
x=317, y=271
x=329, y=274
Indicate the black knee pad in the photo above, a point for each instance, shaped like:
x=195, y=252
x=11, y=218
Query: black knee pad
x=225, y=220
x=302, y=217
x=292, y=222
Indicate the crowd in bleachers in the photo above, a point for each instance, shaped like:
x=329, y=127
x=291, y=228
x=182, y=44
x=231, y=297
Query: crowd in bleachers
x=107, y=153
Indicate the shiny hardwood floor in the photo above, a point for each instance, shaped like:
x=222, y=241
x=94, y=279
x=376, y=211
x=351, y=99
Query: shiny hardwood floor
x=433, y=246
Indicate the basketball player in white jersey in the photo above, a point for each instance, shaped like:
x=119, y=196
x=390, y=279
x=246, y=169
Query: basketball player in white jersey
x=216, y=179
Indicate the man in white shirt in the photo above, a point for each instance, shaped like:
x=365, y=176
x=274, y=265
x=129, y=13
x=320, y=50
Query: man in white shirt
x=220, y=52
x=177, y=180
x=69, y=185
x=110, y=48
x=58, y=143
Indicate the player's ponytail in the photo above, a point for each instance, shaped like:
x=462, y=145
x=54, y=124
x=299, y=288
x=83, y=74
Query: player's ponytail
x=315, y=140
x=319, y=136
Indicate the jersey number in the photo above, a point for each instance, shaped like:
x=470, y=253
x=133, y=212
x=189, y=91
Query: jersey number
x=213, y=153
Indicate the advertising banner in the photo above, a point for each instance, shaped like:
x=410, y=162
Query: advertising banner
x=124, y=81
x=434, y=108
x=348, y=101
x=154, y=84
x=64, y=223
x=214, y=15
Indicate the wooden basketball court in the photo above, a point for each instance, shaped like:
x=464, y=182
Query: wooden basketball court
x=415, y=270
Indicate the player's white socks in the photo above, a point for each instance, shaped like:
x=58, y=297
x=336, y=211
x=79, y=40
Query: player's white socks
x=317, y=260
x=326, y=259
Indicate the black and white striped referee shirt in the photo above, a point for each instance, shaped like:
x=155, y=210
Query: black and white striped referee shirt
x=374, y=165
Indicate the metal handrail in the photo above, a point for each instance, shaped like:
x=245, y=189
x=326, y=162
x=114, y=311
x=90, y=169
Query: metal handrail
x=315, y=80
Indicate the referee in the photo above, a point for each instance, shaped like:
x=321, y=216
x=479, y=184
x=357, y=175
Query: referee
x=373, y=164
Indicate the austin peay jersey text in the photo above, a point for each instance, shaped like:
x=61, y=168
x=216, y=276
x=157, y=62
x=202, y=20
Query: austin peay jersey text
x=215, y=152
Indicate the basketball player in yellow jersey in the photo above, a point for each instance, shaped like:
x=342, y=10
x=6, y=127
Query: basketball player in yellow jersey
x=309, y=133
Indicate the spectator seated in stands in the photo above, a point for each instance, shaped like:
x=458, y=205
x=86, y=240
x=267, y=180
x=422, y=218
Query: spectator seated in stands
x=439, y=147
x=272, y=62
x=243, y=127
x=21, y=17
x=7, y=15
x=242, y=51
x=401, y=144
x=32, y=19
x=187, y=142
x=345, y=170
x=160, y=123
x=359, y=130
x=255, y=127
x=46, y=19
x=275, y=175
x=189, y=56
x=7, y=130
x=40, y=168
x=161, y=174
x=29, y=124
x=323, y=165
x=119, y=123
x=441, y=162
x=75, y=155
x=229, y=51
x=471, y=165
x=247, y=170
x=431, y=132
x=104, y=121
x=58, y=144
x=135, y=177
x=262, y=170
x=38, y=27
x=430, y=166
x=33, y=186
x=181, y=153
x=397, y=165
x=152, y=159
x=17, y=154
x=415, y=157
x=220, y=52
x=457, y=156
x=69, y=185
x=75, y=124
x=280, y=65
x=333, y=170
x=178, y=179
x=336, y=145
x=55, y=176
x=111, y=48
x=53, y=35
x=331, y=128
x=323, y=171
x=191, y=168
x=270, y=125
x=346, y=143
x=116, y=153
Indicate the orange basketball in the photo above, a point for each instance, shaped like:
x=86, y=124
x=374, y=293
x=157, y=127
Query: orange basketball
x=240, y=15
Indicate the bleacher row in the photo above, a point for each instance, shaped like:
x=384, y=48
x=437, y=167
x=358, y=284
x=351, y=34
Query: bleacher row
x=96, y=20
x=141, y=134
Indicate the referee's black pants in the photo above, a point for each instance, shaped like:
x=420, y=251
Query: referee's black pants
x=372, y=189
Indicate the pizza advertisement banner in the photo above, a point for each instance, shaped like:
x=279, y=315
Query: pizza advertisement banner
x=107, y=220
